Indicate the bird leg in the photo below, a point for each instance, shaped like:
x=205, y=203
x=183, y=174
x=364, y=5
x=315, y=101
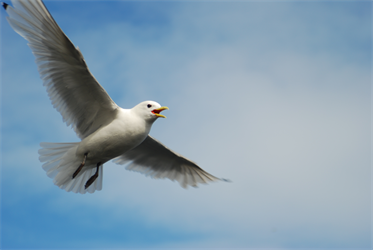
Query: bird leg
x=93, y=177
x=80, y=167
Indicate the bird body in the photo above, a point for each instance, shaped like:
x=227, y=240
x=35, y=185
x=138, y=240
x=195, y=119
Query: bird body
x=106, y=130
x=125, y=132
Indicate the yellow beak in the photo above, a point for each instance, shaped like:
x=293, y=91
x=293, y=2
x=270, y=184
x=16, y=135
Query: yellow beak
x=158, y=110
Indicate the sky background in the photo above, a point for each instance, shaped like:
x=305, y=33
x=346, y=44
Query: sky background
x=275, y=96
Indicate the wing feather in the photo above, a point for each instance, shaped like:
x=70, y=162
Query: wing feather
x=154, y=159
x=72, y=89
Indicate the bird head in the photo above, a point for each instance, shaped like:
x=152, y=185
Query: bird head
x=149, y=110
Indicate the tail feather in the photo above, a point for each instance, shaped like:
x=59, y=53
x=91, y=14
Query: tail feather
x=60, y=164
x=52, y=154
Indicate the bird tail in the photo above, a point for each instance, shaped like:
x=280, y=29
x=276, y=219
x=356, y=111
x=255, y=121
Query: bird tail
x=60, y=164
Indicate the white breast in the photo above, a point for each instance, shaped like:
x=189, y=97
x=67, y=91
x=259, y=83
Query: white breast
x=124, y=133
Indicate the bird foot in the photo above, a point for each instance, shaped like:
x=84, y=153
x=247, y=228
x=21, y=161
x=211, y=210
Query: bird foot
x=93, y=177
x=77, y=171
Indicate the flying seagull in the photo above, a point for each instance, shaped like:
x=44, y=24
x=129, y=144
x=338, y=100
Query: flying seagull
x=106, y=130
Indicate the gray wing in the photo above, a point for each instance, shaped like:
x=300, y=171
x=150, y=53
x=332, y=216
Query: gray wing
x=74, y=92
x=154, y=159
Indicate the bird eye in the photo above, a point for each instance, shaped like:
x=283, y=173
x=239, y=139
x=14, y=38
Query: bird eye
x=149, y=105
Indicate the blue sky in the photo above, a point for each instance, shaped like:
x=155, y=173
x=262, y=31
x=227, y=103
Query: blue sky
x=275, y=96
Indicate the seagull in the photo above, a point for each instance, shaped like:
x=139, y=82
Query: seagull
x=107, y=131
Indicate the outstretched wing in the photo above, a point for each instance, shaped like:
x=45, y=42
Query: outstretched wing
x=75, y=93
x=154, y=159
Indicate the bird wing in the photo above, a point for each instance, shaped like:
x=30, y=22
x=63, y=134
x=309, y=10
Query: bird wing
x=74, y=92
x=154, y=159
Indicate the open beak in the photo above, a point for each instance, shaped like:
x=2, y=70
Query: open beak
x=158, y=111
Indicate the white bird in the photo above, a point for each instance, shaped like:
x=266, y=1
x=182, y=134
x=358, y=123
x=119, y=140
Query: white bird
x=106, y=131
